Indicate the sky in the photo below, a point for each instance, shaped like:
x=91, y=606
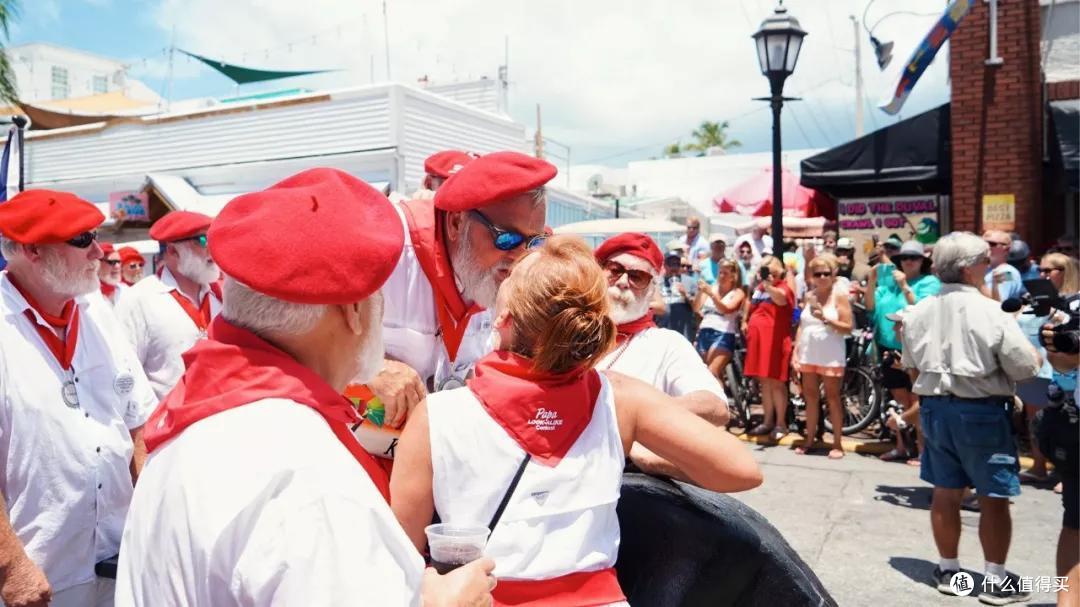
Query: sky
x=617, y=80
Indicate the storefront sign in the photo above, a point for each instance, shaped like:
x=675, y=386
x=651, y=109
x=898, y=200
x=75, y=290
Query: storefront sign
x=868, y=221
x=129, y=206
x=999, y=212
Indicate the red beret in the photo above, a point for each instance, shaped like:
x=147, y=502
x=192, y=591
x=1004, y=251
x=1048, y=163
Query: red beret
x=634, y=243
x=107, y=248
x=319, y=237
x=47, y=217
x=179, y=225
x=446, y=163
x=129, y=254
x=492, y=178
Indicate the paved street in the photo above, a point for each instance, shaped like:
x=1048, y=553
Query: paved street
x=864, y=527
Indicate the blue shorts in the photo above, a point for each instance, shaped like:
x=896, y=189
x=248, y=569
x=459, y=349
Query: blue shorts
x=708, y=339
x=969, y=444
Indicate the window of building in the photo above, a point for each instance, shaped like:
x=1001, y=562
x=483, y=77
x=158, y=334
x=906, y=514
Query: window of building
x=60, y=88
x=100, y=84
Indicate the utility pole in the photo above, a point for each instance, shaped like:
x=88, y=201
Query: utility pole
x=539, y=143
x=858, y=79
x=386, y=37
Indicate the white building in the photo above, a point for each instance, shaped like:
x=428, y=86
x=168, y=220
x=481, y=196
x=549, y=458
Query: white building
x=45, y=72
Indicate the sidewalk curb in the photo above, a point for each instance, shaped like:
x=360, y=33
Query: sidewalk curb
x=849, y=445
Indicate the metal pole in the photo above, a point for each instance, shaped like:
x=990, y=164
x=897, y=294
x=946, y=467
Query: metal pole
x=21, y=123
x=386, y=38
x=994, y=59
x=777, y=102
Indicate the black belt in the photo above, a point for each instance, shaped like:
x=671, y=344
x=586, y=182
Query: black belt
x=986, y=400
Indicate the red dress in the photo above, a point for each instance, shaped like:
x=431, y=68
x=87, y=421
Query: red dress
x=768, y=337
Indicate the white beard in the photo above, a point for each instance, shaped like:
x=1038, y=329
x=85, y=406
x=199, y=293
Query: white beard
x=625, y=307
x=477, y=285
x=198, y=268
x=110, y=280
x=68, y=281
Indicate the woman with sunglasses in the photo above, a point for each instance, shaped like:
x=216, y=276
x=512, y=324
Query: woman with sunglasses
x=539, y=412
x=820, y=351
x=720, y=308
x=889, y=290
x=768, y=344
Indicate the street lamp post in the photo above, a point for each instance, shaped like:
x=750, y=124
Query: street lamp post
x=779, y=41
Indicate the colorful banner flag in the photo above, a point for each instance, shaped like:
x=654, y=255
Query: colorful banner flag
x=925, y=52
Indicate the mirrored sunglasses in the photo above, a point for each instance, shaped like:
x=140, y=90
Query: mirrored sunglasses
x=508, y=240
x=199, y=240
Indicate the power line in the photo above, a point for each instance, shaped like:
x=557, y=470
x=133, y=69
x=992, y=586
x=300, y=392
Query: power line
x=813, y=118
x=795, y=119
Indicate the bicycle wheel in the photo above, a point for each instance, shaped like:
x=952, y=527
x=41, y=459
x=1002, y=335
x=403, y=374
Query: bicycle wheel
x=738, y=406
x=860, y=398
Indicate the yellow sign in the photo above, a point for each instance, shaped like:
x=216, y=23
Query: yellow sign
x=999, y=212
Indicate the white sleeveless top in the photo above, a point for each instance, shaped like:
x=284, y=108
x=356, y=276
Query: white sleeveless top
x=560, y=520
x=819, y=344
x=713, y=318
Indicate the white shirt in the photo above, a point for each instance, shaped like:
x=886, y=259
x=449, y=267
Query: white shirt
x=757, y=246
x=66, y=476
x=561, y=519
x=160, y=329
x=664, y=359
x=114, y=299
x=964, y=345
x=262, y=505
x=411, y=325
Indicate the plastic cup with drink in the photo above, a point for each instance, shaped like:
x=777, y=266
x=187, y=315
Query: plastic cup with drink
x=452, y=546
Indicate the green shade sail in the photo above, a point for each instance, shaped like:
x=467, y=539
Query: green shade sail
x=246, y=75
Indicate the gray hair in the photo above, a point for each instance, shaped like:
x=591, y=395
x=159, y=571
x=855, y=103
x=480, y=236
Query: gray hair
x=957, y=251
x=267, y=316
x=539, y=196
x=9, y=248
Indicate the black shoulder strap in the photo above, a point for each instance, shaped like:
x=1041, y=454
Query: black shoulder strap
x=509, y=492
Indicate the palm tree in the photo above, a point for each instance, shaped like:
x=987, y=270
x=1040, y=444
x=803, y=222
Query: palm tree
x=673, y=150
x=9, y=10
x=712, y=135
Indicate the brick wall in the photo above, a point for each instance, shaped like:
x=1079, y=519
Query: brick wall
x=1068, y=89
x=996, y=117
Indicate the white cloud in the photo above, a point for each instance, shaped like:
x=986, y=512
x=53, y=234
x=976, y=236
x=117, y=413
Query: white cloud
x=608, y=73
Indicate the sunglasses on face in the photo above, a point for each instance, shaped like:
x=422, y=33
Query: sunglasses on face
x=199, y=240
x=997, y=244
x=134, y=266
x=638, y=279
x=508, y=240
x=1048, y=270
x=822, y=274
x=84, y=240
x=111, y=262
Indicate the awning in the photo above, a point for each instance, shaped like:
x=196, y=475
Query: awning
x=909, y=157
x=754, y=197
x=176, y=192
x=245, y=75
x=607, y=227
x=1066, y=115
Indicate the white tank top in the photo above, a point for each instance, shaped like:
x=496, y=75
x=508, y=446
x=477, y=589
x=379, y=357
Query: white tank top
x=819, y=344
x=712, y=318
x=560, y=520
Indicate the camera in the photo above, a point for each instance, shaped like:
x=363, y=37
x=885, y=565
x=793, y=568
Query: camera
x=1042, y=300
x=764, y=272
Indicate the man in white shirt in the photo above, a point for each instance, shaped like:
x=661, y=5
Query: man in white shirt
x=164, y=316
x=457, y=252
x=969, y=355
x=300, y=513
x=661, y=357
x=73, y=401
x=761, y=244
x=112, y=286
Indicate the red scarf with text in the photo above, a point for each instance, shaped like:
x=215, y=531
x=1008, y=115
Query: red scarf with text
x=543, y=412
x=426, y=233
x=234, y=367
x=62, y=349
x=629, y=329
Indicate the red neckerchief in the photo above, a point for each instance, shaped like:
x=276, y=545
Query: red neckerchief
x=234, y=367
x=127, y=282
x=107, y=289
x=542, y=412
x=426, y=233
x=629, y=329
x=201, y=316
x=62, y=349
x=579, y=588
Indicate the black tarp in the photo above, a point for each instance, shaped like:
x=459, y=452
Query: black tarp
x=1066, y=116
x=909, y=157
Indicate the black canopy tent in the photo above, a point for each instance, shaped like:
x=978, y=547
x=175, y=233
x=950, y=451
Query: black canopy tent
x=909, y=157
